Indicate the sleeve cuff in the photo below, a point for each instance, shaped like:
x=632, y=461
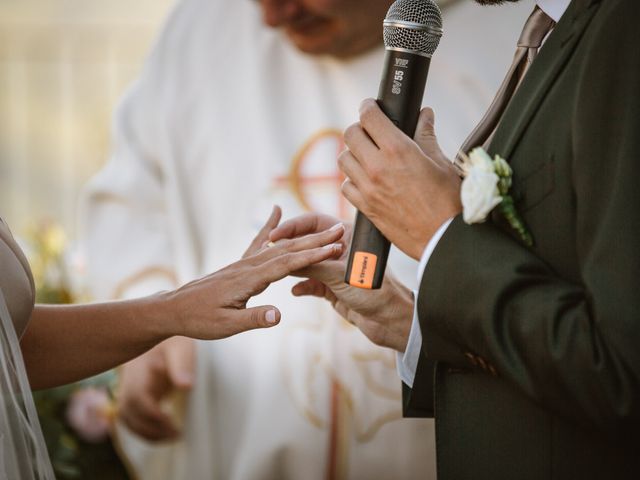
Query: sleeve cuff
x=431, y=246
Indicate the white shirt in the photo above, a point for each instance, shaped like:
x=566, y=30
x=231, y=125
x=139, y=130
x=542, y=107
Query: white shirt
x=554, y=8
x=407, y=363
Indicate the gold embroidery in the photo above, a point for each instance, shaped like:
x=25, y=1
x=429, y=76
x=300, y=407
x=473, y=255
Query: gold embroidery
x=376, y=387
x=317, y=365
x=362, y=433
x=138, y=277
x=296, y=178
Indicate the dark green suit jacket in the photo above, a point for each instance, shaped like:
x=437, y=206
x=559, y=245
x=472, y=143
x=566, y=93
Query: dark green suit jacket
x=537, y=350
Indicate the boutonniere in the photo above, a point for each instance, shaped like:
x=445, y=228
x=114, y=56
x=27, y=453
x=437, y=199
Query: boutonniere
x=485, y=186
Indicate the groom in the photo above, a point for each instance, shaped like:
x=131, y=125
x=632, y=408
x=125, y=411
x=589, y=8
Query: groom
x=529, y=354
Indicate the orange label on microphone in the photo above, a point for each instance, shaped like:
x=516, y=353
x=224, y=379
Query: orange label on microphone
x=363, y=270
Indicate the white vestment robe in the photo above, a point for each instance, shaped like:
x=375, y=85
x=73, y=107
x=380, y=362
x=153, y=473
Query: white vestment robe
x=227, y=119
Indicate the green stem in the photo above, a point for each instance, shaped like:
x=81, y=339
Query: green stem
x=508, y=209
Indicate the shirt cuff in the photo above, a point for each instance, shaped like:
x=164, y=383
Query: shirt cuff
x=431, y=246
x=407, y=362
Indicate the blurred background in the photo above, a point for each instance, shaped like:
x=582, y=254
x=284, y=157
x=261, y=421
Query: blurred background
x=63, y=66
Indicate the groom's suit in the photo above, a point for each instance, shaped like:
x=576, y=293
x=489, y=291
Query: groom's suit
x=537, y=351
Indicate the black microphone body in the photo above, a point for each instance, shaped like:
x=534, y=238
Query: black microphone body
x=400, y=97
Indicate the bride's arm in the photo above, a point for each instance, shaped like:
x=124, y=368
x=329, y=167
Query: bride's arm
x=66, y=343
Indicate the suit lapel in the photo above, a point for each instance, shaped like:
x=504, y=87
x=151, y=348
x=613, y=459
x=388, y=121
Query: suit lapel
x=545, y=70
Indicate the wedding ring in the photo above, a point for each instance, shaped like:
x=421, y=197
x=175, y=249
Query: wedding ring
x=270, y=245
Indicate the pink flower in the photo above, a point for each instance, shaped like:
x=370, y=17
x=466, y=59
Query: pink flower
x=89, y=413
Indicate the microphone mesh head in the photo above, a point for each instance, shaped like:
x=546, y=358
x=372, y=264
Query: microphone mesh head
x=414, y=25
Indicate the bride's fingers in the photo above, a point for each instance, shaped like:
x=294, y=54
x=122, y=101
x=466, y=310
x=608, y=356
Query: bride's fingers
x=263, y=234
x=283, y=265
x=307, y=242
x=328, y=273
x=238, y=321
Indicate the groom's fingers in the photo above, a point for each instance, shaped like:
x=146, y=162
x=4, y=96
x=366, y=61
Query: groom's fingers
x=380, y=129
x=309, y=287
x=354, y=196
x=263, y=234
x=296, y=227
x=315, y=288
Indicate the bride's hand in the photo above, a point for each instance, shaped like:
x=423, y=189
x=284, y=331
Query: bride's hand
x=214, y=307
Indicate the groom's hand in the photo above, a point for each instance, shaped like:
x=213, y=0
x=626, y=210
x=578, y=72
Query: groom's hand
x=384, y=315
x=407, y=188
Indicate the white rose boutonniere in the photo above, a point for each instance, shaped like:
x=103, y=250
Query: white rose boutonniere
x=485, y=186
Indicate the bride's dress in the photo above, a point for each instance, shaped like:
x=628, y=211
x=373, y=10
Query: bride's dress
x=23, y=454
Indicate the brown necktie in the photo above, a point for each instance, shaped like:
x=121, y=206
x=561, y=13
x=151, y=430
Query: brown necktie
x=535, y=30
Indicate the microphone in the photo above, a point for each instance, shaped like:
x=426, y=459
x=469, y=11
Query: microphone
x=412, y=32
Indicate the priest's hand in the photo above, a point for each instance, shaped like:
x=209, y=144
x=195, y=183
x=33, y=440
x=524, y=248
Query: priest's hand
x=384, y=315
x=148, y=386
x=407, y=188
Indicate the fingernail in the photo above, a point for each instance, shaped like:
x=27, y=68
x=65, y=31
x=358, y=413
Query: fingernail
x=337, y=226
x=333, y=246
x=270, y=317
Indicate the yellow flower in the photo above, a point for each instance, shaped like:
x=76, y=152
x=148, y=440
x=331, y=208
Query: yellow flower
x=54, y=241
